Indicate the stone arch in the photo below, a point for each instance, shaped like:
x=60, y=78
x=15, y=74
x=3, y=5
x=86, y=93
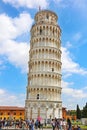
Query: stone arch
x=43, y=105
x=47, y=39
x=40, y=39
x=40, y=30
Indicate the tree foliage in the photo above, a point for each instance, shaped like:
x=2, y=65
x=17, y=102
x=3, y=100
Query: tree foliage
x=78, y=112
x=73, y=112
x=84, y=111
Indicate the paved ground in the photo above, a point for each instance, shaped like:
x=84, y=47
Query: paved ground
x=24, y=129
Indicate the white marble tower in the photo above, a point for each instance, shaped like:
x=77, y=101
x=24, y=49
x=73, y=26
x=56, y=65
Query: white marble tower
x=43, y=97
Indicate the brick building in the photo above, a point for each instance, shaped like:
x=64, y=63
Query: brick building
x=12, y=112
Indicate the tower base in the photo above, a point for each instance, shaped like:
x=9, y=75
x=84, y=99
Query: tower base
x=43, y=109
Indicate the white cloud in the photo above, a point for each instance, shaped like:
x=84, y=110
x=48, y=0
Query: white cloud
x=69, y=66
x=66, y=84
x=2, y=92
x=68, y=90
x=15, y=52
x=11, y=28
x=80, y=4
x=72, y=96
x=28, y=3
x=62, y=3
x=68, y=44
x=75, y=93
x=23, y=23
x=77, y=36
x=85, y=88
x=12, y=99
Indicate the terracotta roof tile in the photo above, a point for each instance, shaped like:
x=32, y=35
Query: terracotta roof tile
x=11, y=108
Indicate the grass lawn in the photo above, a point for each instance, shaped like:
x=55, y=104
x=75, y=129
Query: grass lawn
x=75, y=123
x=83, y=127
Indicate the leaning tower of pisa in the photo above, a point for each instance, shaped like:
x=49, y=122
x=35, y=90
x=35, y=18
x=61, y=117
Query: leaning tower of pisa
x=43, y=96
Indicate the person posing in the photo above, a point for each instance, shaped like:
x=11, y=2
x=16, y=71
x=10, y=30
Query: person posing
x=32, y=124
x=69, y=125
x=53, y=124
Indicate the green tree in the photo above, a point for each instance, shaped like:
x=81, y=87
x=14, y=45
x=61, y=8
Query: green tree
x=73, y=112
x=84, y=111
x=78, y=112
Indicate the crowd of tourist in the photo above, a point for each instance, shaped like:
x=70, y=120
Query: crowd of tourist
x=30, y=124
x=62, y=124
x=20, y=124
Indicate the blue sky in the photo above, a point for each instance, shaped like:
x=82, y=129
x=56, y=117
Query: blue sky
x=16, y=19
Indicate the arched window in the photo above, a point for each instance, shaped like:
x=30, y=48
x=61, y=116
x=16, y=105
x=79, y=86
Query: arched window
x=1, y=113
x=37, y=96
x=47, y=16
x=53, y=31
x=14, y=113
x=20, y=113
x=8, y=113
x=52, y=69
x=40, y=31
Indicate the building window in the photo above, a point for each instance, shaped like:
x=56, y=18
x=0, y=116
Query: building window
x=4, y=118
x=53, y=31
x=20, y=113
x=40, y=31
x=47, y=16
x=20, y=118
x=37, y=96
x=1, y=113
x=52, y=69
x=8, y=113
x=14, y=113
